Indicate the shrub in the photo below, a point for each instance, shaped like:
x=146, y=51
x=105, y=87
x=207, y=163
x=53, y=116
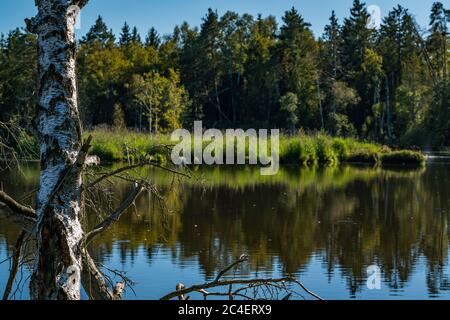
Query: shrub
x=308, y=150
x=405, y=157
x=325, y=151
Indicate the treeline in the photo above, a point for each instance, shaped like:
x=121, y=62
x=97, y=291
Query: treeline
x=389, y=85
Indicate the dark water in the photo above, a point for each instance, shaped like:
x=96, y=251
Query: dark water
x=325, y=226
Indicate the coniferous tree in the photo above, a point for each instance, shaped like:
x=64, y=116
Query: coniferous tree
x=237, y=71
x=152, y=40
x=399, y=46
x=330, y=66
x=297, y=67
x=125, y=36
x=135, y=36
x=17, y=74
x=332, y=46
x=261, y=94
x=99, y=33
x=438, y=41
x=357, y=38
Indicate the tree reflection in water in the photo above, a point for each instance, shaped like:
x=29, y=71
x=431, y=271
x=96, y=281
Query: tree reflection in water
x=349, y=217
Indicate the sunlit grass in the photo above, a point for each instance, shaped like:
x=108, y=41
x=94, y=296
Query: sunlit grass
x=301, y=149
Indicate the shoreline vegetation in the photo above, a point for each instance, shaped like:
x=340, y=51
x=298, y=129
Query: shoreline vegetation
x=300, y=149
x=389, y=84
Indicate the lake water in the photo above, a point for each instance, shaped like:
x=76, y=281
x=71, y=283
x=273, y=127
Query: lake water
x=325, y=226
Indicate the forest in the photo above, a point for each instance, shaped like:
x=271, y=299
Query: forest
x=388, y=85
x=364, y=113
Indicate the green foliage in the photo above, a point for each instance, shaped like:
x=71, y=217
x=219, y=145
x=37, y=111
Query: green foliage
x=410, y=158
x=119, y=118
x=18, y=77
x=123, y=146
x=300, y=149
x=153, y=40
x=237, y=71
x=323, y=149
x=163, y=100
x=296, y=54
x=340, y=126
x=438, y=121
x=99, y=33
x=288, y=108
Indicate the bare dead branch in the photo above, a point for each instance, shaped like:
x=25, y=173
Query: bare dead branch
x=26, y=223
x=94, y=281
x=12, y=146
x=241, y=259
x=270, y=283
x=126, y=282
x=307, y=290
x=181, y=287
x=115, y=216
x=114, y=173
x=132, y=167
x=119, y=290
x=222, y=294
x=28, y=195
x=224, y=283
x=16, y=206
x=28, y=212
x=14, y=265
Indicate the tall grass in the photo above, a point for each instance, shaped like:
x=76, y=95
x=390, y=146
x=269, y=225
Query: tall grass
x=303, y=149
x=323, y=149
x=124, y=145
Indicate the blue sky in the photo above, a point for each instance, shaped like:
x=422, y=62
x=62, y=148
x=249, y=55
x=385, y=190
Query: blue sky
x=165, y=14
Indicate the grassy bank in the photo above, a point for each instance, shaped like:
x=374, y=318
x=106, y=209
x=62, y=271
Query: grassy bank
x=308, y=150
x=323, y=149
x=301, y=149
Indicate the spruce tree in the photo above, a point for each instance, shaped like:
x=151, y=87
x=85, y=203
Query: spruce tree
x=357, y=39
x=135, y=36
x=152, y=40
x=297, y=53
x=125, y=37
x=332, y=45
x=439, y=39
x=99, y=33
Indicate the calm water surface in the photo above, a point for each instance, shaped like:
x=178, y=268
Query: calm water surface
x=325, y=226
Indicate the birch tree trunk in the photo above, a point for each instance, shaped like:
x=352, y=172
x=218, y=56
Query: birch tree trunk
x=59, y=263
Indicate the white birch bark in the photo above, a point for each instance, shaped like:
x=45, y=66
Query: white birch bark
x=58, y=264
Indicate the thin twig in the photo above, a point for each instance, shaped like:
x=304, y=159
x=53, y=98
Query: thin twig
x=223, y=283
x=132, y=167
x=115, y=216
